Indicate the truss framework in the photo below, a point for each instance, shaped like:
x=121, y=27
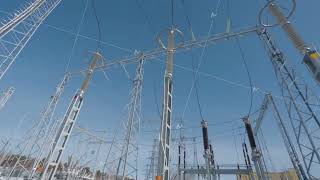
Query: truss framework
x=15, y=33
x=267, y=102
x=36, y=145
x=300, y=103
x=6, y=95
x=127, y=166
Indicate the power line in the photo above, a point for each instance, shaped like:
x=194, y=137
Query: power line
x=196, y=87
x=98, y=24
x=147, y=18
x=248, y=74
x=201, y=58
x=172, y=15
x=77, y=36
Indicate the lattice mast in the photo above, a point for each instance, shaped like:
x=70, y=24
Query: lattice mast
x=287, y=140
x=6, y=95
x=165, y=129
x=129, y=151
x=49, y=125
x=151, y=168
x=300, y=104
x=67, y=125
x=16, y=32
x=40, y=135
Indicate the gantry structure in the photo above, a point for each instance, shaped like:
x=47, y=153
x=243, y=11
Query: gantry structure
x=299, y=100
x=127, y=166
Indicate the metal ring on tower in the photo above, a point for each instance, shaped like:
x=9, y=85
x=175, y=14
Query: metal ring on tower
x=168, y=30
x=276, y=24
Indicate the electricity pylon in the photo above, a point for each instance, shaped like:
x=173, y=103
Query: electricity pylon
x=300, y=104
x=6, y=95
x=66, y=127
x=17, y=31
x=48, y=125
x=37, y=144
x=165, y=130
x=268, y=101
x=151, y=168
x=127, y=166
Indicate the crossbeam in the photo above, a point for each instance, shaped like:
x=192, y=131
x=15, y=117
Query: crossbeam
x=237, y=170
x=155, y=53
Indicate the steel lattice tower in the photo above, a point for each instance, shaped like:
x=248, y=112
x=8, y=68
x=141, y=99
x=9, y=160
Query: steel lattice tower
x=300, y=104
x=267, y=102
x=151, y=168
x=127, y=166
x=65, y=129
x=41, y=134
x=16, y=32
x=6, y=95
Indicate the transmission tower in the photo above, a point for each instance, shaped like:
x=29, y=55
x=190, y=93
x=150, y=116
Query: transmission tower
x=17, y=31
x=127, y=166
x=38, y=142
x=65, y=129
x=151, y=168
x=300, y=104
x=6, y=95
x=165, y=136
x=268, y=101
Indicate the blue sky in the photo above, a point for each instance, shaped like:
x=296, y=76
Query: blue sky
x=128, y=26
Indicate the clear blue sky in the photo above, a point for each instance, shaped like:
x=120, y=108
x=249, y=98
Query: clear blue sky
x=134, y=26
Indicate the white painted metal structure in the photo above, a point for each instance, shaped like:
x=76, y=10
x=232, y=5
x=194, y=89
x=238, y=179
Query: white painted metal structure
x=41, y=135
x=16, y=32
x=127, y=166
x=301, y=105
x=165, y=136
x=65, y=129
x=6, y=95
x=268, y=101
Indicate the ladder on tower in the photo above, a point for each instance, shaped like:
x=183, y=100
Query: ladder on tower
x=69, y=120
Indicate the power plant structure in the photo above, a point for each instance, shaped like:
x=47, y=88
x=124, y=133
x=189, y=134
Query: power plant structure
x=62, y=141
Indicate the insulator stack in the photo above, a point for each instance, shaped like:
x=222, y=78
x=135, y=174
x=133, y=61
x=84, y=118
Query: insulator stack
x=250, y=133
x=245, y=154
x=179, y=152
x=205, y=135
x=286, y=25
x=212, y=155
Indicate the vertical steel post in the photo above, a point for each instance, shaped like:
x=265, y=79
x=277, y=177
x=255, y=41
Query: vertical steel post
x=67, y=125
x=287, y=141
x=165, y=130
